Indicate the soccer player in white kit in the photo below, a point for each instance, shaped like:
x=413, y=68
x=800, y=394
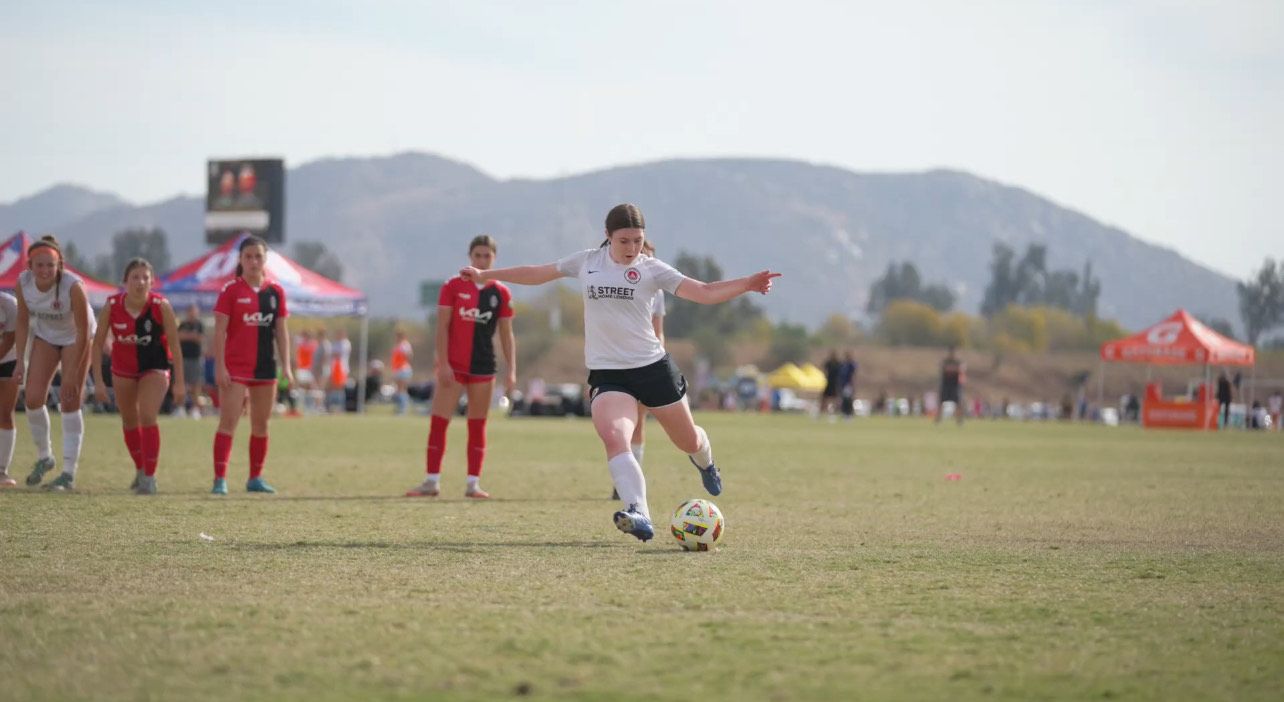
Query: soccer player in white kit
x=637, y=445
x=53, y=310
x=627, y=363
x=8, y=388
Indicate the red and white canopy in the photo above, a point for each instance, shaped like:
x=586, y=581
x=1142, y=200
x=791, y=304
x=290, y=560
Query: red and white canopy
x=13, y=261
x=200, y=281
x=1179, y=340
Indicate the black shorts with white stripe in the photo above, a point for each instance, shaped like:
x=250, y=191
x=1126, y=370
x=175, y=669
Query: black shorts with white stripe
x=654, y=385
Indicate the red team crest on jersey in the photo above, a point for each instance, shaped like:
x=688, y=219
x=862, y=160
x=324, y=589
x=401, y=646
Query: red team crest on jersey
x=633, y=275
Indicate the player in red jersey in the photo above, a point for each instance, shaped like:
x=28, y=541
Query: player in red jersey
x=249, y=337
x=144, y=345
x=468, y=316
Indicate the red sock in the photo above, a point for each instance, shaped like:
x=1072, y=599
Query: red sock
x=436, y=443
x=151, y=448
x=258, y=453
x=222, y=450
x=134, y=442
x=476, y=445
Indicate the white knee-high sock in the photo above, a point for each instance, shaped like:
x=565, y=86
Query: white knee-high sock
x=637, y=450
x=629, y=482
x=703, y=456
x=73, y=431
x=38, y=421
x=6, y=448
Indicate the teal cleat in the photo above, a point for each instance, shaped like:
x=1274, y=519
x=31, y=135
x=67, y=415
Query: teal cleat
x=220, y=486
x=259, y=485
x=42, y=466
x=63, y=483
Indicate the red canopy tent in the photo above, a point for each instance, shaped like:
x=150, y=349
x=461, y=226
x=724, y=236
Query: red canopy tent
x=1179, y=340
x=199, y=282
x=13, y=261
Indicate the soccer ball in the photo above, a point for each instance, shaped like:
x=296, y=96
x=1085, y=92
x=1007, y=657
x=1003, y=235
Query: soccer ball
x=698, y=525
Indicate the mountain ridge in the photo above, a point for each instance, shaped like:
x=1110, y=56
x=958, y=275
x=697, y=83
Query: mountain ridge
x=395, y=220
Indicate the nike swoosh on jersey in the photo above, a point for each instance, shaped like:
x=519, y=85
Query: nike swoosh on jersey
x=591, y=272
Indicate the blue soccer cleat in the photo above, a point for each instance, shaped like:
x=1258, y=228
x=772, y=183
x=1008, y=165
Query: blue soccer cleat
x=220, y=486
x=259, y=485
x=631, y=521
x=710, y=476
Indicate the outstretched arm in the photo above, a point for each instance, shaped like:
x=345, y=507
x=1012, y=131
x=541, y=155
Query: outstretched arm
x=521, y=275
x=723, y=290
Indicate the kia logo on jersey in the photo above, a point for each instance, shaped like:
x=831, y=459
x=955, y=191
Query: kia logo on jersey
x=472, y=314
x=258, y=319
x=135, y=339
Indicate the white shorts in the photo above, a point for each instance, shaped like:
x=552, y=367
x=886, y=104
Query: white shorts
x=304, y=376
x=404, y=374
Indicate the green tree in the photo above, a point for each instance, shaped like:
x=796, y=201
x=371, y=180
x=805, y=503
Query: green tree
x=314, y=256
x=789, y=343
x=128, y=244
x=1003, y=288
x=685, y=318
x=75, y=259
x=1029, y=282
x=1261, y=300
x=910, y=323
x=903, y=282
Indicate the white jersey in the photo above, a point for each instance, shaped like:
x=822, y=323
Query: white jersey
x=618, y=304
x=9, y=322
x=49, y=311
x=657, y=304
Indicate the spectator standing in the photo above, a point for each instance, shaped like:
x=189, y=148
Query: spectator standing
x=340, y=369
x=191, y=342
x=953, y=376
x=847, y=384
x=1224, y=396
x=829, y=397
x=402, y=371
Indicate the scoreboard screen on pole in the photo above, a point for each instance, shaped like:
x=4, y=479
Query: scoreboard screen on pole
x=245, y=195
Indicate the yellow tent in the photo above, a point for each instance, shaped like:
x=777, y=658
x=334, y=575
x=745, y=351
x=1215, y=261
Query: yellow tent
x=814, y=375
x=792, y=377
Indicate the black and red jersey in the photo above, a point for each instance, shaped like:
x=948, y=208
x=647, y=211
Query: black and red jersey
x=250, y=349
x=138, y=341
x=474, y=314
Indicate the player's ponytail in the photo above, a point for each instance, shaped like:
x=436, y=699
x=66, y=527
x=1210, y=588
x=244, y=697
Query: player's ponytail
x=246, y=243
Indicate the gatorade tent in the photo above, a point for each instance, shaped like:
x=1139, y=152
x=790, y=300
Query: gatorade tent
x=1179, y=340
x=13, y=261
x=306, y=293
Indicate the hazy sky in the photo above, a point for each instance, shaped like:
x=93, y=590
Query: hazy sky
x=1163, y=118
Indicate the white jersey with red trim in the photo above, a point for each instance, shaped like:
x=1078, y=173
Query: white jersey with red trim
x=49, y=311
x=618, y=304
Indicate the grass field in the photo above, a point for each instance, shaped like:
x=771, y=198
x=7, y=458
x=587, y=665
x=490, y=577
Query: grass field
x=1069, y=562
